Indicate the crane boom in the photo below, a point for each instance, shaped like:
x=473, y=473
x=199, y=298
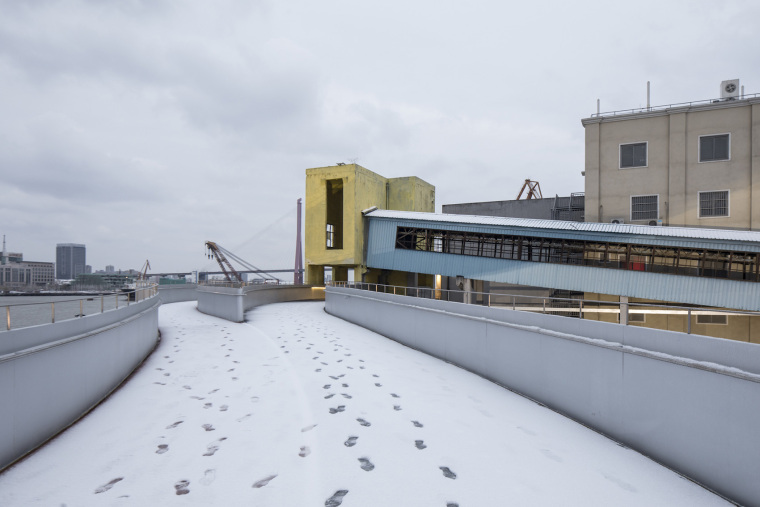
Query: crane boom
x=227, y=268
x=534, y=190
x=144, y=272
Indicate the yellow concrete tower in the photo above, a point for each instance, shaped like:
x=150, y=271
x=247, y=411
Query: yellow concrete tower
x=334, y=228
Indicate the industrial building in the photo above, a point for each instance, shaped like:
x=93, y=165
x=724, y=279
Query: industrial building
x=694, y=164
x=70, y=260
x=552, y=208
x=15, y=273
x=334, y=225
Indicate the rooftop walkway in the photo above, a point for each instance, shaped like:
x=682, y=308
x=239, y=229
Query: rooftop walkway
x=298, y=408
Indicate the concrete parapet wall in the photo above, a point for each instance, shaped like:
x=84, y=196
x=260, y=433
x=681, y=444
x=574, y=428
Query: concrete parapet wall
x=51, y=375
x=178, y=293
x=267, y=294
x=232, y=303
x=690, y=402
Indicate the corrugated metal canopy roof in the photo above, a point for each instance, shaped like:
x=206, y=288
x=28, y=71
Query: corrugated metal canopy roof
x=616, y=232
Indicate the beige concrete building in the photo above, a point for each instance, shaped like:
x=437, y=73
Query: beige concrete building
x=694, y=164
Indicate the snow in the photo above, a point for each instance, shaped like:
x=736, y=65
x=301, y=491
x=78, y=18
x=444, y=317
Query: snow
x=263, y=413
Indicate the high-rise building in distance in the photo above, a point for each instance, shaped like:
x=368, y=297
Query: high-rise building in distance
x=70, y=260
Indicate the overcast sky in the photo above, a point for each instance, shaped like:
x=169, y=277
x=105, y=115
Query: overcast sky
x=144, y=128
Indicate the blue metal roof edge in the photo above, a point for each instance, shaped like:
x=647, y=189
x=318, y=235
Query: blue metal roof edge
x=718, y=239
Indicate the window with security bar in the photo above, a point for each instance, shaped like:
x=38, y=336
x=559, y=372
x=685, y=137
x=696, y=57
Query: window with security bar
x=644, y=207
x=713, y=204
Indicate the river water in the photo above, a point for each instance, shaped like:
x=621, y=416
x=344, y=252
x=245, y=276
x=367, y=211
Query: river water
x=35, y=310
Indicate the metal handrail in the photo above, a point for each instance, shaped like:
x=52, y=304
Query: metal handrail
x=143, y=290
x=238, y=285
x=575, y=305
x=670, y=106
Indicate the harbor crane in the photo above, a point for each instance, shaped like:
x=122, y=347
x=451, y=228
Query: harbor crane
x=220, y=254
x=144, y=271
x=534, y=190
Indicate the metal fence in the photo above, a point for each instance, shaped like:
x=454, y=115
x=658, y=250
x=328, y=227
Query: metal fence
x=18, y=315
x=238, y=285
x=676, y=105
x=625, y=313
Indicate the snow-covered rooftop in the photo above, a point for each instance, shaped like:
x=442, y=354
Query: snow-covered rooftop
x=298, y=408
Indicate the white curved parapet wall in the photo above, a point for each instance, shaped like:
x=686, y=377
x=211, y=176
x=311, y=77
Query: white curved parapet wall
x=51, y=375
x=231, y=303
x=690, y=402
x=178, y=293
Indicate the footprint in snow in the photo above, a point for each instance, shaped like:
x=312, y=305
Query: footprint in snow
x=366, y=464
x=340, y=408
x=395, y=395
x=363, y=422
x=329, y=396
x=105, y=487
x=397, y=407
x=208, y=427
x=336, y=499
x=308, y=428
x=213, y=447
x=223, y=408
x=351, y=441
x=174, y=425
x=305, y=451
x=162, y=449
x=348, y=396
x=417, y=424
x=182, y=487
x=420, y=444
x=448, y=473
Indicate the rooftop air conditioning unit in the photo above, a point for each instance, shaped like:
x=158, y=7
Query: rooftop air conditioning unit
x=617, y=221
x=729, y=90
x=655, y=222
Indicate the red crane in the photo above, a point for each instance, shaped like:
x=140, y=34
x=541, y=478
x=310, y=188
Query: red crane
x=216, y=251
x=221, y=254
x=534, y=190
